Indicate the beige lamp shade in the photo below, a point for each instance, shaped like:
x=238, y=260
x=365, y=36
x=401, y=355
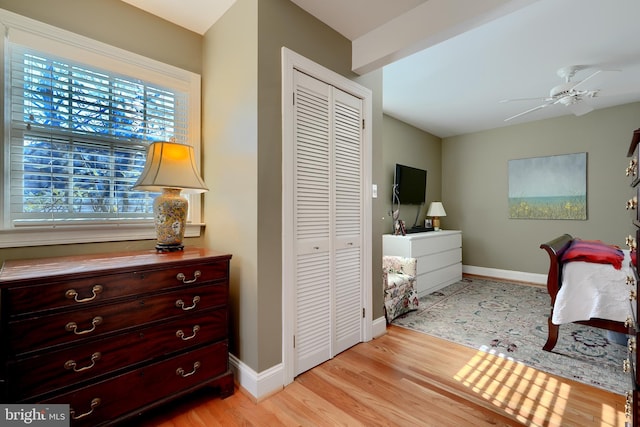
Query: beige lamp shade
x=436, y=209
x=170, y=165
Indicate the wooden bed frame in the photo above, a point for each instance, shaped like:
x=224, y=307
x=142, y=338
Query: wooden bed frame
x=555, y=248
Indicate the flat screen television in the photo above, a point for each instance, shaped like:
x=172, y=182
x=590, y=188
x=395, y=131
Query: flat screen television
x=409, y=185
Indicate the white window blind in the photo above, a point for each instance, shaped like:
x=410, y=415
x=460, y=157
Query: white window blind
x=78, y=138
x=79, y=115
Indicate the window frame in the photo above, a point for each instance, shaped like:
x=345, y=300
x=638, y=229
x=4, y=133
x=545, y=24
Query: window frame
x=79, y=48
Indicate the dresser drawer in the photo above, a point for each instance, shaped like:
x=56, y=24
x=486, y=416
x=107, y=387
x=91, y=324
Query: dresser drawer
x=437, y=261
x=34, y=333
x=441, y=242
x=438, y=279
x=98, y=403
x=81, y=292
x=52, y=371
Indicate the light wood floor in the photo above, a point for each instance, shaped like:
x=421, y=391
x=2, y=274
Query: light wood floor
x=405, y=378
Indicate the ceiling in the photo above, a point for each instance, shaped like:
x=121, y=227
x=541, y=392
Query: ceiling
x=449, y=63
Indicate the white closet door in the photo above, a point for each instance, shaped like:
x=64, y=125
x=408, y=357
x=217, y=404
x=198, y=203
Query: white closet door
x=312, y=222
x=327, y=221
x=348, y=202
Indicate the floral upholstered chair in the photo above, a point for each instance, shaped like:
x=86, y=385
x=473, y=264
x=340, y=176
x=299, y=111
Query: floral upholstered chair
x=399, y=281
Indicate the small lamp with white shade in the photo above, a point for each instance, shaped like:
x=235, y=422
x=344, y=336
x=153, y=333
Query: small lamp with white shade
x=171, y=168
x=436, y=210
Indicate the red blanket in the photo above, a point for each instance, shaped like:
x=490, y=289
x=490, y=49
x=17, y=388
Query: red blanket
x=594, y=251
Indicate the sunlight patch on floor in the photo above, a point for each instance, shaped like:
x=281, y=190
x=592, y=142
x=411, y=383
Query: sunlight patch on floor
x=533, y=397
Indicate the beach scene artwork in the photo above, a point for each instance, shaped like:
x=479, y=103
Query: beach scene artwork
x=552, y=187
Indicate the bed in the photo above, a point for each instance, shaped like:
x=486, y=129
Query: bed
x=589, y=293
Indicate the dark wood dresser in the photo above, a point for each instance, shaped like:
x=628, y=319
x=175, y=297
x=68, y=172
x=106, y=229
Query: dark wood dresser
x=114, y=335
x=631, y=365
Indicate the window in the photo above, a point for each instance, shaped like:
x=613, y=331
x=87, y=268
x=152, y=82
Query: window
x=78, y=117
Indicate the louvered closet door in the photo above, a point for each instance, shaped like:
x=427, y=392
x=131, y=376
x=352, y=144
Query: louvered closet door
x=327, y=222
x=347, y=121
x=312, y=226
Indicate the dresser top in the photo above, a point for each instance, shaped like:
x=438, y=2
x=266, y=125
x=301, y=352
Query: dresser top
x=25, y=269
x=425, y=235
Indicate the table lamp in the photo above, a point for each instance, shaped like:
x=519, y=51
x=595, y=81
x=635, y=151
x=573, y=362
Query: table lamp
x=170, y=168
x=436, y=210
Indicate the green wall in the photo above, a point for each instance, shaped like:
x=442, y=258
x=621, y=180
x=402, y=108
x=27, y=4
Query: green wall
x=469, y=174
x=379, y=206
x=119, y=24
x=407, y=145
x=230, y=150
x=475, y=184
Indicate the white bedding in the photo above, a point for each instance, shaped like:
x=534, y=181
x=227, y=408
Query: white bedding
x=593, y=290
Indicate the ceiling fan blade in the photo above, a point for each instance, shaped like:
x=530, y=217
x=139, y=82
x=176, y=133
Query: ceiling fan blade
x=581, y=82
x=545, y=99
x=531, y=110
x=618, y=92
x=595, y=73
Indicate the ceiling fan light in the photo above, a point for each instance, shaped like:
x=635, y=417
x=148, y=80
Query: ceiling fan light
x=580, y=108
x=569, y=100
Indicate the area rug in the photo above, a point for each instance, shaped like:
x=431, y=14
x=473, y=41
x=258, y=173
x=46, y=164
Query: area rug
x=510, y=320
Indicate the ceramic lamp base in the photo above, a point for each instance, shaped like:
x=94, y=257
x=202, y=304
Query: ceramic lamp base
x=170, y=210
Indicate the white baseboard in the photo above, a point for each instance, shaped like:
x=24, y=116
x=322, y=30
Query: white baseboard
x=259, y=385
x=520, y=276
x=379, y=327
x=264, y=384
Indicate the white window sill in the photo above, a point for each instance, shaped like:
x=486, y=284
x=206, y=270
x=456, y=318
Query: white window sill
x=61, y=234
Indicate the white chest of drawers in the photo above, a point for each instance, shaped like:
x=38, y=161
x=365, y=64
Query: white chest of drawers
x=439, y=255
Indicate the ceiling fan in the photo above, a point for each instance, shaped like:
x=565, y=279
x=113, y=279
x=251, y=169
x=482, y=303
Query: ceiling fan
x=570, y=93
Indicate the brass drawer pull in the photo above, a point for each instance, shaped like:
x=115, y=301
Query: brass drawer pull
x=71, y=364
x=183, y=374
x=95, y=402
x=180, y=334
x=631, y=345
x=628, y=322
x=631, y=242
x=184, y=280
x=71, y=293
x=180, y=304
x=632, y=168
x=73, y=326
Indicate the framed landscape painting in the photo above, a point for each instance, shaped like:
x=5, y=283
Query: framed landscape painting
x=552, y=187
